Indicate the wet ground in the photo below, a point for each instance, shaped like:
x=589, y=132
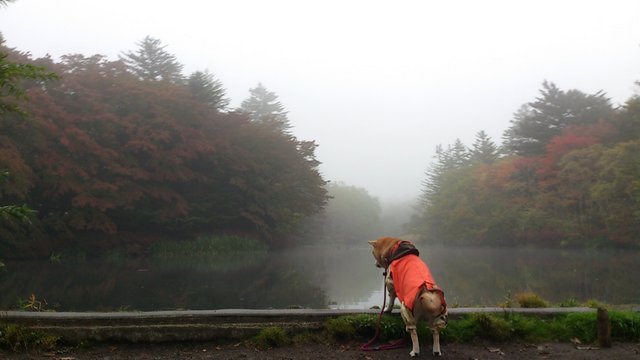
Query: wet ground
x=204, y=350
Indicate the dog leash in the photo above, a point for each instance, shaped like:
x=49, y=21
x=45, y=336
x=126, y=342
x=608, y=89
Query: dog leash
x=394, y=345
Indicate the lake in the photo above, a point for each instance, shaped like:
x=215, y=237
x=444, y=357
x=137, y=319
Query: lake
x=335, y=276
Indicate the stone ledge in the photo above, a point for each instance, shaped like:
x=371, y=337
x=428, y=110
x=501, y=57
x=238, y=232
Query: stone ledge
x=202, y=325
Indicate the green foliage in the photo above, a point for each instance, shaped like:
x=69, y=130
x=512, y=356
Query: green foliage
x=206, y=88
x=151, y=62
x=625, y=326
x=569, y=303
x=272, y=337
x=263, y=107
x=364, y=325
x=572, y=179
x=12, y=78
x=493, y=327
x=18, y=338
x=221, y=252
x=210, y=245
x=579, y=325
x=536, y=123
x=531, y=300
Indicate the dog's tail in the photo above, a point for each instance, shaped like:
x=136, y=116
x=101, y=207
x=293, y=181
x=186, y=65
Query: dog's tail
x=434, y=303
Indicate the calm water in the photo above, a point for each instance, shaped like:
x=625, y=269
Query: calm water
x=334, y=277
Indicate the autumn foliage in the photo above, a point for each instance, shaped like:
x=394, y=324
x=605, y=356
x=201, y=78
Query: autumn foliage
x=104, y=152
x=583, y=189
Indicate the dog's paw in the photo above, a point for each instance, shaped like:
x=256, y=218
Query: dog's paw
x=414, y=354
x=437, y=353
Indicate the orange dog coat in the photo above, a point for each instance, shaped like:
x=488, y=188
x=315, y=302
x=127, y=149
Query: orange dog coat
x=409, y=274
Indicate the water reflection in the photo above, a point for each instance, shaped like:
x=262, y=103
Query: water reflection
x=317, y=277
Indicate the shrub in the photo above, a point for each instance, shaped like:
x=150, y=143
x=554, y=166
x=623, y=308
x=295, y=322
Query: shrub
x=19, y=338
x=272, y=337
x=530, y=300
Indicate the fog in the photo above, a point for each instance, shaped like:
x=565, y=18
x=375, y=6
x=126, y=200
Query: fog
x=377, y=84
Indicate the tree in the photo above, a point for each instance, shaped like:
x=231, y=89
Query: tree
x=263, y=107
x=206, y=88
x=151, y=62
x=536, y=123
x=12, y=78
x=454, y=157
x=351, y=214
x=483, y=149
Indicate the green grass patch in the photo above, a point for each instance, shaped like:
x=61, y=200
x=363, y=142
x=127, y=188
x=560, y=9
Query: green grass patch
x=19, y=338
x=224, y=253
x=530, y=300
x=351, y=327
x=493, y=327
x=212, y=245
x=272, y=337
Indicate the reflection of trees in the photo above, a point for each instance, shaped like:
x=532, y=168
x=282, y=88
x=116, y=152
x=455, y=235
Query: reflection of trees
x=312, y=276
x=482, y=276
x=146, y=286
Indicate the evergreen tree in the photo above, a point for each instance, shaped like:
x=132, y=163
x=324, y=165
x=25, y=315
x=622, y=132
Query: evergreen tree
x=151, y=62
x=454, y=157
x=483, y=149
x=206, y=88
x=263, y=107
x=536, y=123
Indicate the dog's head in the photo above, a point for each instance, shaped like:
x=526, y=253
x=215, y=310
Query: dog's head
x=381, y=249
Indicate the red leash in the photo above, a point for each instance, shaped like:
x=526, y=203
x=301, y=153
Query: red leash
x=394, y=345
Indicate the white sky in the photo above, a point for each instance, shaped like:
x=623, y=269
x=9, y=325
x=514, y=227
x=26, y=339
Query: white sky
x=378, y=84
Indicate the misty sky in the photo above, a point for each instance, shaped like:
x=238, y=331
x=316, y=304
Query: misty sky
x=378, y=84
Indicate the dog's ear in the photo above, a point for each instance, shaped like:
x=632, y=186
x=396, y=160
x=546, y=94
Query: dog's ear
x=372, y=242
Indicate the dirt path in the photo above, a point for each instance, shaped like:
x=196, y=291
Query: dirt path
x=201, y=351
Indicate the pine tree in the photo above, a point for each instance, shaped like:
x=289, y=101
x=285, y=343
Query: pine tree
x=206, y=88
x=536, y=123
x=483, y=149
x=263, y=107
x=151, y=62
x=454, y=157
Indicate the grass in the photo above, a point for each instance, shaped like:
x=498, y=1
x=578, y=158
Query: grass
x=530, y=300
x=19, y=338
x=493, y=327
x=213, y=245
x=220, y=252
x=272, y=337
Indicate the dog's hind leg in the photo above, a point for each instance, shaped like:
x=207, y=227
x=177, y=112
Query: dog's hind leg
x=410, y=326
x=436, y=342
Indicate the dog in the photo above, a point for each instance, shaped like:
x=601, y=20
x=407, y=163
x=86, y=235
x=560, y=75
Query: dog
x=409, y=279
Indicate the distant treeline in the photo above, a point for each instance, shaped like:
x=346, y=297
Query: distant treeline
x=118, y=150
x=567, y=174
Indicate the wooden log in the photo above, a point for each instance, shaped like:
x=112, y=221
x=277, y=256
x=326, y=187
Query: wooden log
x=604, y=328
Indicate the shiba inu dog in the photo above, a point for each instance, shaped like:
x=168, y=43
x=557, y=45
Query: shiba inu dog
x=409, y=279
